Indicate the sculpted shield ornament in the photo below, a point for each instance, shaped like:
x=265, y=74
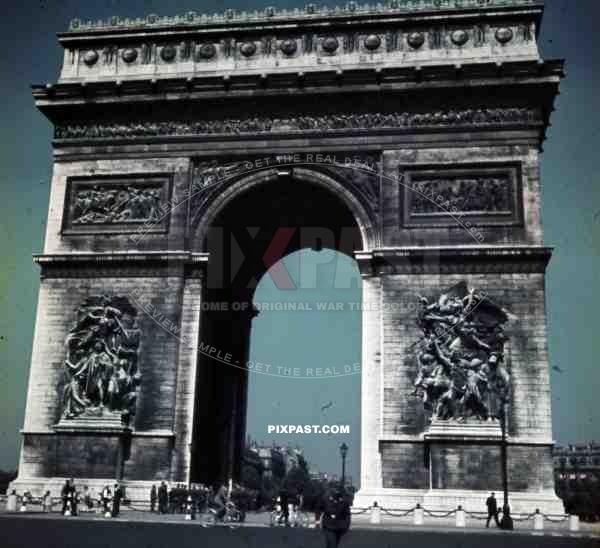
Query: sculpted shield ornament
x=168, y=53
x=372, y=42
x=459, y=37
x=504, y=35
x=248, y=49
x=416, y=39
x=207, y=51
x=330, y=44
x=129, y=55
x=90, y=58
x=289, y=46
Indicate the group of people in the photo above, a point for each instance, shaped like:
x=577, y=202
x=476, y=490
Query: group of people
x=174, y=500
x=333, y=513
x=109, y=500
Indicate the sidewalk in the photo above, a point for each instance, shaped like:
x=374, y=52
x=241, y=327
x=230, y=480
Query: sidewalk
x=359, y=521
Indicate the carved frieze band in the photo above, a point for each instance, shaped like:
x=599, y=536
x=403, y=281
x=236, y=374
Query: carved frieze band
x=443, y=195
x=116, y=204
x=293, y=123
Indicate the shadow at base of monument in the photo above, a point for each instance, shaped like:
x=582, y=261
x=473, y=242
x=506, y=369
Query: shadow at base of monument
x=24, y=532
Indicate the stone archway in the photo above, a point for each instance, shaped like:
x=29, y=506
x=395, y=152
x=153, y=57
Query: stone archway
x=251, y=224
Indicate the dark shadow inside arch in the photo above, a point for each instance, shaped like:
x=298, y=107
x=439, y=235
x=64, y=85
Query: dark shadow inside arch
x=250, y=234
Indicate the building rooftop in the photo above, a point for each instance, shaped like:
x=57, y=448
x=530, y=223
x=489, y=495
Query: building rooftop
x=310, y=12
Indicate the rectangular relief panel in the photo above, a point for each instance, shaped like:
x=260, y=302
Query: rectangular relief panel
x=439, y=196
x=117, y=204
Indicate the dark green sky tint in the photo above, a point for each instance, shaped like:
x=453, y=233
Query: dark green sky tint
x=571, y=212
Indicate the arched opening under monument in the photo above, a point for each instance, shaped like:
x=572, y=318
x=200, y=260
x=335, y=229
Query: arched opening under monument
x=305, y=351
x=247, y=237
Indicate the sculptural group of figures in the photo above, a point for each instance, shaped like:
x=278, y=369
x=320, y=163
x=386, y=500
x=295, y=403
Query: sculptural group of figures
x=491, y=194
x=299, y=123
x=462, y=372
x=110, y=205
x=101, y=363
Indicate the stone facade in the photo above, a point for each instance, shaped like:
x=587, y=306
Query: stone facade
x=411, y=133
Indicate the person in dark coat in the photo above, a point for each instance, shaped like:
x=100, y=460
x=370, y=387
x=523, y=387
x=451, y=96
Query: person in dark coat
x=116, y=502
x=64, y=494
x=285, y=508
x=153, y=498
x=335, y=518
x=492, y=508
x=69, y=494
x=163, y=498
x=74, y=497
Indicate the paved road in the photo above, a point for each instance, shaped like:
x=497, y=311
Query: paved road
x=145, y=531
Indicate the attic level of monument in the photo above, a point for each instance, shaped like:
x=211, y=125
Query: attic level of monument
x=314, y=40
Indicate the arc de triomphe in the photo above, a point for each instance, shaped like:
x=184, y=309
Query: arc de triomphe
x=410, y=132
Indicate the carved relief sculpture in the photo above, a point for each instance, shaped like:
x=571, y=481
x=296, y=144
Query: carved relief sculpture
x=101, y=364
x=465, y=194
x=106, y=204
x=461, y=361
x=267, y=124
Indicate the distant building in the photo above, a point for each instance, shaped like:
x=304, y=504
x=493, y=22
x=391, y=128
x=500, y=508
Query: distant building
x=577, y=462
x=276, y=459
x=577, y=478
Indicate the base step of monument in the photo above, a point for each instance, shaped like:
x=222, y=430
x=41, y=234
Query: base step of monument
x=445, y=500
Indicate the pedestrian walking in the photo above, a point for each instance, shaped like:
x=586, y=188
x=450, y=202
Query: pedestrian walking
x=335, y=518
x=153, y=498
x=69, y=498
x=74, y=497
x=87, y=499
x=116, y=502
x=285, y=508
x=106, y=498
x=163, y=498
x=47, y=502
x=492, y=508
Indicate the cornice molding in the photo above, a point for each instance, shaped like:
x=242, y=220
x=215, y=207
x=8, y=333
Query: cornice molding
x=454, y=260
x=410, y=77
x=115, y=265
x=310, y=14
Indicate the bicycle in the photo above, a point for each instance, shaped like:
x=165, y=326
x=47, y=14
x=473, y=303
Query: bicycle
x=232, y=514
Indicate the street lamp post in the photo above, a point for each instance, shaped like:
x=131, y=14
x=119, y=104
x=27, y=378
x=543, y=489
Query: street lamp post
x=506, y=522
x=343, y=452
